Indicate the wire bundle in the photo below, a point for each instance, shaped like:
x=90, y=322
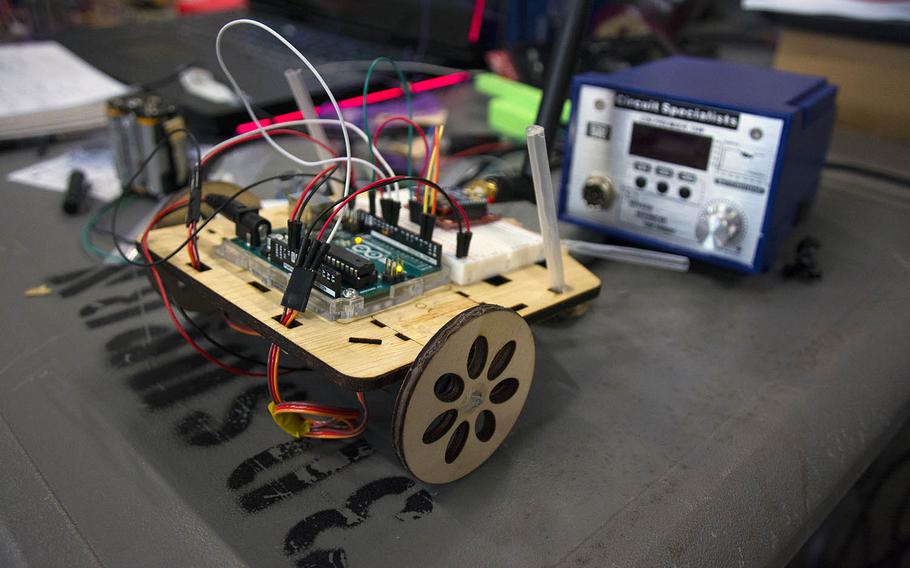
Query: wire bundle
x=429, y=204
x=296, y=417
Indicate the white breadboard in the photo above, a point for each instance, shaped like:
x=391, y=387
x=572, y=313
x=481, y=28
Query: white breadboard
x=497, y=247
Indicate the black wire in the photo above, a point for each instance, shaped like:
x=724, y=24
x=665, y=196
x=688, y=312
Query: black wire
x=227, y=350
x=314, y=191
x=128, y=186
x=881, y=175
x=380, y=185
x=108, y=232
x=195, y=233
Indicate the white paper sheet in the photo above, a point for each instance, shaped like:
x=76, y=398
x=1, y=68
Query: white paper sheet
x=96, y=162
x=47, y=89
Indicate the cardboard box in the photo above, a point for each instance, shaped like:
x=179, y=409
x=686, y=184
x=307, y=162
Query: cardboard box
x=873, y=77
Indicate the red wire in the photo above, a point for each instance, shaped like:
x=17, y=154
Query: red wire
x=373, y=185
x=279, y=131
x=287, y=317
x=325, y=428
x=480, y=149
x=237, y=327
x=423, y=136
x=167, y=304
x=193, y=247
x=328, y=171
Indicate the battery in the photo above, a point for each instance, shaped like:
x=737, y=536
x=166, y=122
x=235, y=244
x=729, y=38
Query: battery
x=137, y=125
x=118, y=131
x=134, y=149
x=167, y=171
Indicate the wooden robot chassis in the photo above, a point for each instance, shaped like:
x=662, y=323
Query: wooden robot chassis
x=465, y=353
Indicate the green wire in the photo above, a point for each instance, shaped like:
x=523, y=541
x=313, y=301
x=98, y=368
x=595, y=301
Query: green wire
x=407, y=95
x=85, y=235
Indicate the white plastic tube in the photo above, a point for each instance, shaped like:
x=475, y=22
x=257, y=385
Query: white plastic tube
x=630, y=255
x=546, y=206
x=304, y=102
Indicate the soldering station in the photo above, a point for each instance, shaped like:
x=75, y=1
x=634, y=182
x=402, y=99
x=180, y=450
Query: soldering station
x=715, y=161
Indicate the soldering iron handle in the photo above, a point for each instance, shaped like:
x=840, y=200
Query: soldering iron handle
x=559, y=70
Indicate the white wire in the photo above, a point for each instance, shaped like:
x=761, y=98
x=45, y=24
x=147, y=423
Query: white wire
x=256, y=119
x=329, y=121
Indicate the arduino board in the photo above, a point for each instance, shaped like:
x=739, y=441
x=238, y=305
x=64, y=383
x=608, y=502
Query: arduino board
x=370, y=266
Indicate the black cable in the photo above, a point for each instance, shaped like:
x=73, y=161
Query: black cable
x=227, y=350
x=380, y=185
x=559, y=69
x=306, y=200
x=108, y=232
x=880, y=175
x=128, y=186
x=195, y=233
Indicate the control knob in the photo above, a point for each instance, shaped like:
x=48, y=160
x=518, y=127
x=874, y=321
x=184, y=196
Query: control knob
x=598, y=192
x=720, y=224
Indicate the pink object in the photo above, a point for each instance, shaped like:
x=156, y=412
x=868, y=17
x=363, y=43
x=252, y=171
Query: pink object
x=476, y=21
x=375, y=97
x=206, y=6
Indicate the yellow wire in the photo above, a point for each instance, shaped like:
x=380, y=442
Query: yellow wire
x=430, y=166
x=435, y=178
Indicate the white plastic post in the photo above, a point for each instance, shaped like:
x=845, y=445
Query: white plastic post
x=305, y=104
x=546, y=205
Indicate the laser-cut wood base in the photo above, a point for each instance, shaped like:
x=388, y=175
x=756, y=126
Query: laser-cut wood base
x=403, y=330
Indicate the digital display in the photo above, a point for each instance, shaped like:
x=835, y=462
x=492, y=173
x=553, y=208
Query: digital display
x=690, y=150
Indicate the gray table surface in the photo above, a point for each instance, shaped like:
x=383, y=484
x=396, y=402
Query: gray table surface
x=687, y=420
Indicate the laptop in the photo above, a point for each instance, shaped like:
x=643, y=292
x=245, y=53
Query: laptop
x=323, y=30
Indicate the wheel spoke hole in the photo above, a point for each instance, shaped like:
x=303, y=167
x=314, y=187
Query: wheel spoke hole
x=501, y=360
x=440, y=426
x=448, y=387
x=477, y=356
x=457, y=441
x=504, y=391
x=485, y=426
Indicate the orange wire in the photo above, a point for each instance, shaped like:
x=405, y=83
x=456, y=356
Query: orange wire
x=237, y=327
x=322, y=429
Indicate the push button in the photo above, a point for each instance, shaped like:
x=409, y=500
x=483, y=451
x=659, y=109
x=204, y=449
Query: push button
x=642, y=167
x=685, y=192
x=662, y=187
x=641, y=182
x=686, y=176
x=664, y=171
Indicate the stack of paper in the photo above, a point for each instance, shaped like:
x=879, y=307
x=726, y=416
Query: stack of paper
x=46, y=89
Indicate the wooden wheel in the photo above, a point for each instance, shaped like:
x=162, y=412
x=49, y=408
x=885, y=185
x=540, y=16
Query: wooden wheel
x=462, y=395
